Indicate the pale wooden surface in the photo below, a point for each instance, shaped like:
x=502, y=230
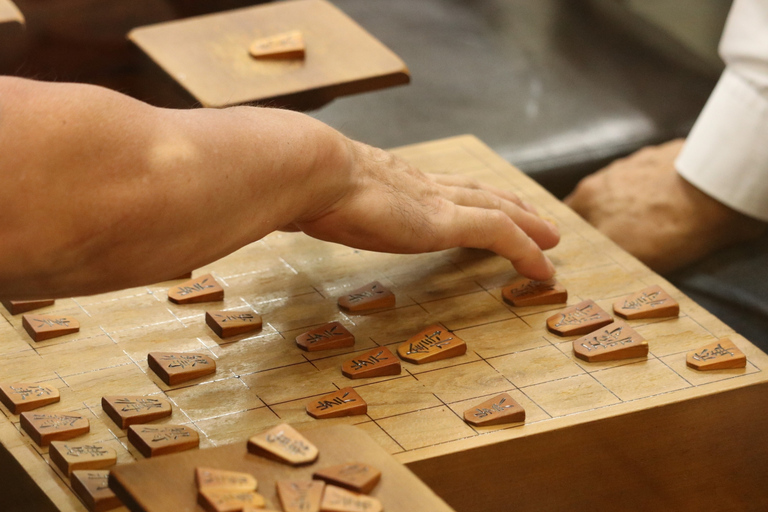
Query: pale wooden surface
x=208, y=55
x=168, y=483
x=9, y=13
x=293, y=281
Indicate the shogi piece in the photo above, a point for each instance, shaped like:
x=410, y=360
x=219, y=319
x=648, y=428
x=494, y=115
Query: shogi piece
x=200, y=289
x=224, y=500
x=152, y=440
x=71, y=456
x=93, y=488
x=496, y=411
x=377, y=362
x=651, y=302
x=16, y=307
x=19, y=397
x=286, y=45
x=720, y=355
x=177, y=367
x=211, y=478
x=373, y=296
x=527, y=292
x=344, y=402
x=578, y=320
x=131, y=410
x=300, y=495
x=336, y=499
x=45, y=327
x=353, y=476
x=285, y=444
x=616, y=341
x=232, y=323
x=432, y=344
x=326, y=337
x=44, y=428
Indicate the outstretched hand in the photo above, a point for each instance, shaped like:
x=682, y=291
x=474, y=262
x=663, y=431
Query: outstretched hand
x=390, y=206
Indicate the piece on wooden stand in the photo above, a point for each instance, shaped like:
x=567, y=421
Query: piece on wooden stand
x=300, y=495
x=200, y=289
x=286, y=45
x=93, y=488
x=231, y=323
x=212, y=478
x=46, y=427
x=651, y=302
x=177, y=367
x=432, y=344
x=336, y=499
x=326, y=337
x=16, y=307
x=226, y=500
x=498, y=410
x=527, y=292
x=371, y=297
x=19, y=396
x=285, y=444
x=578, y=320
x=344, y=402
x=354, y=476
x=128, y=410
x=154, y=440
x=377, y=362
x=45, y=327
x=70, y=456
x=720, y=355
x=611, y=343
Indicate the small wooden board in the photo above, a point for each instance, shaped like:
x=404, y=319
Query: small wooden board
x=344, y=402
x=128, y=410
x=168, y=483
x=46, y=427
x=432, y=344
x=154, y=440
x=527, y=292
x=19, y=397
x=73, y=455
x=377, y=362
x=651, y=302
x=577, y=320
x=204, y=288
x=613, y=342
x=92, y=486
x=16, y=307
x=177, y=367
x=208, y=56
x=45, y=327
x=720, y=355
x=326, y=337
x=371, y=297
x=231, y=323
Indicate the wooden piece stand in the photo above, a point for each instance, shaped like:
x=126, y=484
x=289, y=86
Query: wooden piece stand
x=617, y=419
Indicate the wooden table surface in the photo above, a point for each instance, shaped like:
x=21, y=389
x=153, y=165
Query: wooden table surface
x=208, y=56
x=627, y=435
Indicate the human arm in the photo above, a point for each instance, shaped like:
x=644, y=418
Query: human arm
x=102, y=192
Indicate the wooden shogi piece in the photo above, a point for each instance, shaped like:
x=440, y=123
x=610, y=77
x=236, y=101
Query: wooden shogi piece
x=578, y=320
x=154, y=440
x=495, y=411
x=527, y=292
x=377, y=362
x=16, y=307
x=432, y=344
x=128, y=410
x=286, y=45
x=720, y=355
x=177, y=367
x=45, y=327
x=227, y=500
x=336, y=499
x=372, y=297
x=19, y=397
x=326, y=337
x=300, y=495
x=354, y=476
x=231, y=323
x=611, y=343
x=343, y=402
x=71, y=456
x=651, y=302
x=200, y=289
x=46, y=427
x=212, y=478
x=285, y=444
x=93, y=488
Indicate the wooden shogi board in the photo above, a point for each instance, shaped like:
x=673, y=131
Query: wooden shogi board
x=626, y=435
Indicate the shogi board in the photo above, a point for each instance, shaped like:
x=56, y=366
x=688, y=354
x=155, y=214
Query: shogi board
x=168, y=483
x=650, y=434
x=208, y=55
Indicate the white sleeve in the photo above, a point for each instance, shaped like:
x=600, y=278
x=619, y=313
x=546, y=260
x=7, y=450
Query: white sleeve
x=726, y=153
